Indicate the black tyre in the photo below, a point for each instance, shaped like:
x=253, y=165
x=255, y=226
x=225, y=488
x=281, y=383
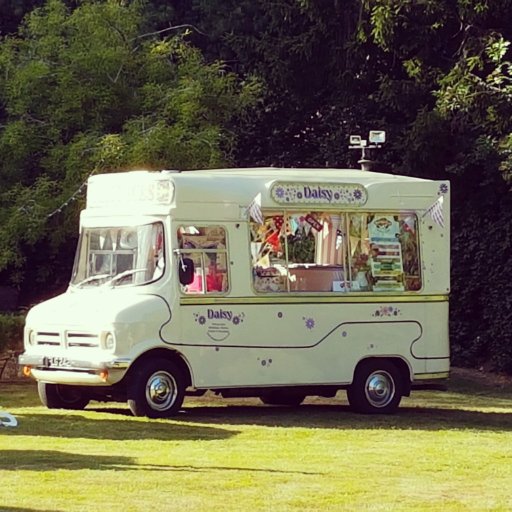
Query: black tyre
x=377, y=388
x=156, y=389
x=61, y=396
x=288, y=399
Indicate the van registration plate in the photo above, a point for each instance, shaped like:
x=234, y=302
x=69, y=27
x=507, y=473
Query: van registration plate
x=56, y=362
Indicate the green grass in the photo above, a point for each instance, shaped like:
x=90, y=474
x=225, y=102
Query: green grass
x=442, y=451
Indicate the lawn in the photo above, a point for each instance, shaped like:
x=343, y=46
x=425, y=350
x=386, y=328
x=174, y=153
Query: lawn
x=442, y=451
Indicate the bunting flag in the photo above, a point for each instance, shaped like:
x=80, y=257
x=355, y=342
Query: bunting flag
x=314, y=222
x=408, y=225
x=326, y=228
x=254, y=210
x=263, y=262
x=274, y=242
x=339, y=238
x=278, y=222
x=436, y=212
x=294, y=224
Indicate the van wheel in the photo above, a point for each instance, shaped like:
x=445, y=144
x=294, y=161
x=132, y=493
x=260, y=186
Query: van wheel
x=376, y=388
x=156, y=389
x=60, y=396
x=282, y=398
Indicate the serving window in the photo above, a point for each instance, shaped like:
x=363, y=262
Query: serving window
x=315, y=251
x=206, y=247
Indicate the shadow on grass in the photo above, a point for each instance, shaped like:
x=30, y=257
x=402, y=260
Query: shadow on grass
x=49, y=460
x=331, y=417
x=341, y=417
x=78, y=426
x=207, y=418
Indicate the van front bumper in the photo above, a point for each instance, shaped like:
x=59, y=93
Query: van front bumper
x=62, y=370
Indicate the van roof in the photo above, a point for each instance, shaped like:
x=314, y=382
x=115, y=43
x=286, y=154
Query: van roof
x=317, y=174
x=239, y=186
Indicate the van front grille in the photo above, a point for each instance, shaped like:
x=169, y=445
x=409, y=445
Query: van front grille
x=48, y=338
x=82, y=339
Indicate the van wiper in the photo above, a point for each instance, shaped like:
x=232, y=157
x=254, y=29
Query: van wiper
x=93, y=278
x=129, y=272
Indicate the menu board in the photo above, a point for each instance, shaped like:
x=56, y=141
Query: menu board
x=386, y=254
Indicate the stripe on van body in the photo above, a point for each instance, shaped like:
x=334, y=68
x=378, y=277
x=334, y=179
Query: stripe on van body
x=311, y=299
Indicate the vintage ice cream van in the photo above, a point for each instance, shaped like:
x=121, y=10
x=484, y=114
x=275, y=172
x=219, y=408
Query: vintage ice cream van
x=271, y=283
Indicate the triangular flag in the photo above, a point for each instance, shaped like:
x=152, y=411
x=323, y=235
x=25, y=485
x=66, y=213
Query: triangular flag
x=294, y=224
x=354, y=242
x=263, y=262
x=278, y=222
x=409, y=225
x=436, y=212
x=254, y=210
x=339, y=238
x=326, y=230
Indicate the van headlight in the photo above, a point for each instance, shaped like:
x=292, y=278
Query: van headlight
x=109, y=341
x=31, y=337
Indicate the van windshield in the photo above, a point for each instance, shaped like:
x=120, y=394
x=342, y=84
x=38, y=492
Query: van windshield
x=119, y=256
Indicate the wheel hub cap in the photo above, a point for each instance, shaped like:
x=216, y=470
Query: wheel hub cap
x=380, y=389
x=161, y=391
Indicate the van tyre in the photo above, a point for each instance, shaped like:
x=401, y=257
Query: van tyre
x=156, y=389
x=377, y=388
x=60, y=396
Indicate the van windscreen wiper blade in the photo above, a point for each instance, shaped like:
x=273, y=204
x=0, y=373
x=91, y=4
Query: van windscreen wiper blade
x=93, y=278
x=129, y=272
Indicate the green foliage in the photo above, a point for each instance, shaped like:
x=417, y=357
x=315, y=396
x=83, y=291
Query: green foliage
x=108, y=85
x=13, y=12
x=301, y=248
x=11, y=332
x=93, y=89
x=305, y=54
x=481, y=310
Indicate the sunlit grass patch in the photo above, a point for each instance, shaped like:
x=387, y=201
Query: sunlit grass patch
x=442, y=451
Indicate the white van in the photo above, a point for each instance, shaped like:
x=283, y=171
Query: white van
x=271, y=283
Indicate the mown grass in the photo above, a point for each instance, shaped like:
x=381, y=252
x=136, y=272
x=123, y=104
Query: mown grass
x=443, y=451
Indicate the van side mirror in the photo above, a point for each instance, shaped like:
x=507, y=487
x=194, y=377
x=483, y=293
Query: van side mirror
x=186, y=270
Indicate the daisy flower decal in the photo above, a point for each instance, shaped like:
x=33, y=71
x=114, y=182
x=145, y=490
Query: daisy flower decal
x=309, y=322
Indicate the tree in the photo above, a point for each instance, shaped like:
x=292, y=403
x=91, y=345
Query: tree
x=103, y=86
x=13, y=12
x=94, y=89
x=458, y=53
x=305, y=52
